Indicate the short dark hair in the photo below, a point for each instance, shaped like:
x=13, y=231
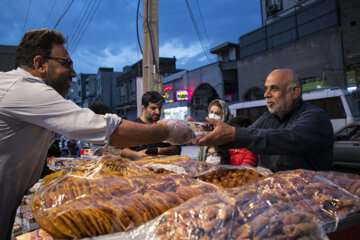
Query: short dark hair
x=100, y=108
x=239, y=121
x=34, y=43
x=152, y=97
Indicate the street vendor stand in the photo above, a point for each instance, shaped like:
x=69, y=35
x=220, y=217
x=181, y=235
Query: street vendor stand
x=115, y=198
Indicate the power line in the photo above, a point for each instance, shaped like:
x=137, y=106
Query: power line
x=51, y=10
x=88, y=23
x=137, y=26
x=78, y=21
x=197, y=30
x=72, y=1
x=81, y=24
x=27, y=15
x=202, y=21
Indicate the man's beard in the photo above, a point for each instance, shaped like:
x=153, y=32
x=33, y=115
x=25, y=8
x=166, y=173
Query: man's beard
x=57, y=82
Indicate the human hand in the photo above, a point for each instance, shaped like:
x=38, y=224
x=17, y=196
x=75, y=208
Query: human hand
x=179, y=132
x=223, y=133
x=190, y=119
x=141, y=154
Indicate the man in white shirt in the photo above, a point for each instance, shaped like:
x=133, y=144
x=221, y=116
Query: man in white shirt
x=32, y=109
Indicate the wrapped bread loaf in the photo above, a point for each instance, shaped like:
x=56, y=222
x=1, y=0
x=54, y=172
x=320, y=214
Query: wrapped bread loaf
x=87, y=207
x=230, y=177
x=160, y=159
x=104, y=166
x=189, y=167
x=247, y=214
x=310, y=192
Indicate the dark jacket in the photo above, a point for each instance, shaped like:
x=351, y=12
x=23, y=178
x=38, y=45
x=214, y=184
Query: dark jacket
x=303, y=139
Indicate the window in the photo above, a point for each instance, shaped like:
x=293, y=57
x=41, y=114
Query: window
x=132, y=86
x=332, y=106
x=273, y=6
x=123, y=90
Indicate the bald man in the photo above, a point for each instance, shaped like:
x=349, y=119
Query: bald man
x=293, y=135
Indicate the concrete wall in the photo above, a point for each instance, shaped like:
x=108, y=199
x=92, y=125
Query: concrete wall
x=309, y=56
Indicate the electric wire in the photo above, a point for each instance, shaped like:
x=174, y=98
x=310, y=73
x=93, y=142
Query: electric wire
x=197, y=30
x=151, y=35
x=27, y=15
x=77, y=22
x=88, y=23
x=137, y=26
x=81, y=24
x=50, y=12
x=202, y=21
x=61, y=17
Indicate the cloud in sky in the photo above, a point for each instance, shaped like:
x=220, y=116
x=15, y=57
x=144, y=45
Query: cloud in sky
x=183, y=52
x=88, y=60
x=110, y=39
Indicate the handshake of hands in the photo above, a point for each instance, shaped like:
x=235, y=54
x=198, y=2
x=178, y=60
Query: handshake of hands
x=180, y=133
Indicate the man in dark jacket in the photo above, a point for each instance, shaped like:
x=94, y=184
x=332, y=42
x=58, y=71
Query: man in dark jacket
x=151, y=105
x=293, y=134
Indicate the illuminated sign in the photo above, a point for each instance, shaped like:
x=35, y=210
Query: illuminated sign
x=182, y=95
x=167, y=88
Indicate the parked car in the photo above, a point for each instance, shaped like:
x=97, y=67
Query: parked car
x=347, y=145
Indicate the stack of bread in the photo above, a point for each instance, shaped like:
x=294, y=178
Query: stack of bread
x=84, y=207
x=248, y=214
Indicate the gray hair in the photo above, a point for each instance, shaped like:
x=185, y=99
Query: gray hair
x=294, y=82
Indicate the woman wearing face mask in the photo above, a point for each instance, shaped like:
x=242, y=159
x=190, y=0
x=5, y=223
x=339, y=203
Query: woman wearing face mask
x=219, y=110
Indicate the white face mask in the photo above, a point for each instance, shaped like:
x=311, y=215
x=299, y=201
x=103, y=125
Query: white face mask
x=213, y=159
x=214, y=116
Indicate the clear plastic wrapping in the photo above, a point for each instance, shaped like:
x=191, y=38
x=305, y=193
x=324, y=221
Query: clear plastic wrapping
x=85, y=207
x=310, y=192
x=160, y=159
x=189, y=167
x=241, y=214
x=232, y=176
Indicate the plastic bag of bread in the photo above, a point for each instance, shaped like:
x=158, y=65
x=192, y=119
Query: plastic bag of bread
x=350, y=182
x=232, y=176
x=189, y=167
x=160, y=159
x=87, y=207
x=240, y=214
x=104, y=166
x=308, y=191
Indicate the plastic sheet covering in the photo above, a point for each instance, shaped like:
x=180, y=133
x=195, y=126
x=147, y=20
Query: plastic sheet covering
x=350, y=182
x=240, y=214
x=310, y=192
x=160, y=159
x=77, y=207
x=232, y=176
x=189, y=167
x=104, y=166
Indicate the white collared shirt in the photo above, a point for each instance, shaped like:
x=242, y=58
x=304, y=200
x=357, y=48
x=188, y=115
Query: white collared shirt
x=30, y=111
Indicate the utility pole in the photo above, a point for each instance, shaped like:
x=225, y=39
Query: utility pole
x=150, y=65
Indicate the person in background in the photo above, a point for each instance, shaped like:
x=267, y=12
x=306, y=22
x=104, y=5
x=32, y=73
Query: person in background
x=151, y=105
x=33, y=108
x=293, y=134
x=100, y=108
x=241, y=156
x=218, y=110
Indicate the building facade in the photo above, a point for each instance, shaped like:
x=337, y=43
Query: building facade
x=127, y=86
x=310, y=36
x=7, y=58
